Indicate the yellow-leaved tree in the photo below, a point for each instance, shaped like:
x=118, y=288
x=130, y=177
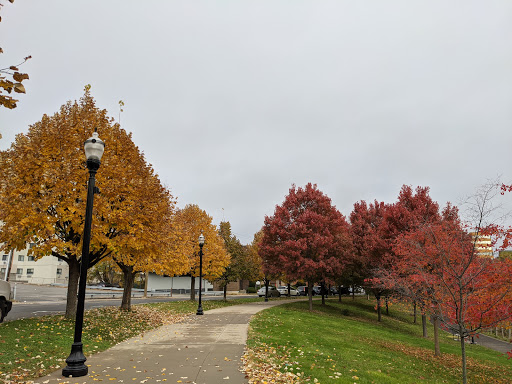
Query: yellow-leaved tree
x=193, y=221
x=244, y=265
x=149, y=241
x=253, y=254
x=43, y=189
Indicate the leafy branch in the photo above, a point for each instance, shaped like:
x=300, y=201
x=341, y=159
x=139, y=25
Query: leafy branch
x=11, y=80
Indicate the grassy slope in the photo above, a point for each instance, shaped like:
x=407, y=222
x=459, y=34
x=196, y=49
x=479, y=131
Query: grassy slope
x=343, y=343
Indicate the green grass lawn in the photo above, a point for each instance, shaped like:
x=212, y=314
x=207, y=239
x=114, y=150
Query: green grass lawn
x=344, y=343
x=30, y=348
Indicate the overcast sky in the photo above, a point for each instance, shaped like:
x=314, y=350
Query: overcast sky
x=233, y=101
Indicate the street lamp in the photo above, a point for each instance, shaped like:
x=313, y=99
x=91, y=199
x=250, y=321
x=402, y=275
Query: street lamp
x=201, y=243
x=75, y=367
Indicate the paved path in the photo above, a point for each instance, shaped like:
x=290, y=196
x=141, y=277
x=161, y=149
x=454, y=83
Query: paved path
x=491, y=343
x=205, y=349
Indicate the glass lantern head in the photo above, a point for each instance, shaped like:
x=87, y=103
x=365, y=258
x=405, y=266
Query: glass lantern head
x=94, y=147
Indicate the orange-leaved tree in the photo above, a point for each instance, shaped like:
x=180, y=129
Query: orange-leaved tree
x=43, y=189
x=192, y=221
x=254, y=256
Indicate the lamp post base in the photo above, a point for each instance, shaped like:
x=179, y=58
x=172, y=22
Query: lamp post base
x=200, y=311
x=75, y=362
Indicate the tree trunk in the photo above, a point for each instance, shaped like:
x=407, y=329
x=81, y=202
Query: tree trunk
x=192, y=288
x=310, y=295
x=339, y=294
x=129, y=278
x=225, y=289
x=322, y=291
x=353, y=293
x=379, y=314
x=437, y=349
x=424, y=325
x=387, y=306
x=414, y=321
x=289, y=289
x=74, y=274
x=463, y=350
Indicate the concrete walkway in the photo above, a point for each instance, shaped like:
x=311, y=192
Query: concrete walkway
x=205, y=349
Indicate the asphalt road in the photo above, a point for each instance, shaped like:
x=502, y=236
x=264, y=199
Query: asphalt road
x=34, y=309
x=40, y=300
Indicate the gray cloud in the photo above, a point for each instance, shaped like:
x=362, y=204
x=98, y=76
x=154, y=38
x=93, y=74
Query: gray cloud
x=234, y=101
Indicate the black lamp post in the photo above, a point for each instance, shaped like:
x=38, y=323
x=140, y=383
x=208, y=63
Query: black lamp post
x=76, y=367
x=201, y=243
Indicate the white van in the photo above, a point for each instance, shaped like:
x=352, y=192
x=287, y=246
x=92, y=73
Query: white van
x=5, y=299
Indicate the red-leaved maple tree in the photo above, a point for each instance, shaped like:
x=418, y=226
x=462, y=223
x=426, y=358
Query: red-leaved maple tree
x=463, y=287
x=370, y=249
x=467, y=292
x=413, y=209
x=375, y=229
x=306, y=238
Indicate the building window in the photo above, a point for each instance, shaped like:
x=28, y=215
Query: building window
x=30, y=271
x=5, y=257
x=30, y=258
x=19, y=271
x=21, y=257
x=2, y=272
x=31, y=245
x=59, y=271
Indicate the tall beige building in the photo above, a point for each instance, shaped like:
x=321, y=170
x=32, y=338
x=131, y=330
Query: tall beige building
x=47, y=270
x=483, y=245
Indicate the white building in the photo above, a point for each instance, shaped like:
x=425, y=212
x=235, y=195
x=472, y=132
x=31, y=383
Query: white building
x=47, y=270
x=178, y=284
x=51, y=270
